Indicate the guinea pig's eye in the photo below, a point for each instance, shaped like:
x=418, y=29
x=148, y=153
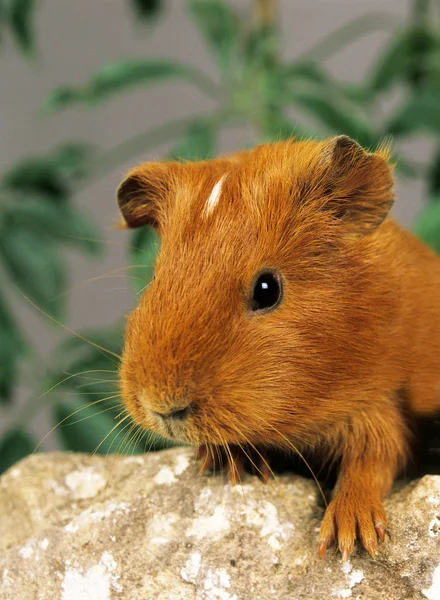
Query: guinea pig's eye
x=266, y=292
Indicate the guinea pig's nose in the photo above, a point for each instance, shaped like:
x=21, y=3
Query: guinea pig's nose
x=179, y=414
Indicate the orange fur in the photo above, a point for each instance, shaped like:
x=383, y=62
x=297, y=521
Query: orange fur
x=353, y=347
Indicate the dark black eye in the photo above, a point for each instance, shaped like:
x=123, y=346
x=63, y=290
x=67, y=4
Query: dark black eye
x=267, y=291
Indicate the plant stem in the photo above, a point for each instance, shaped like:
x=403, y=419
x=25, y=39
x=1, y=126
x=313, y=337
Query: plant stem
x=266, y=13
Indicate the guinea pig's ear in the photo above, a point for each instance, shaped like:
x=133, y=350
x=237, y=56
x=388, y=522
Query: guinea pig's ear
x=144, y=193
x=358, y=184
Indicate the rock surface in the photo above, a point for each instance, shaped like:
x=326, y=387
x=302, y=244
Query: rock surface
x=76, y=527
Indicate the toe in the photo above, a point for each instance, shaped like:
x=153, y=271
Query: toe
x=346, y=525
x=327, y=533
x=367, y=531
x=205, y=457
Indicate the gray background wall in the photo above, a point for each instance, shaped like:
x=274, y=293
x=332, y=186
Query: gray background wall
x=78, y=36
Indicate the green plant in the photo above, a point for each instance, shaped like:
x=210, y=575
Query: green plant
x=254, y=86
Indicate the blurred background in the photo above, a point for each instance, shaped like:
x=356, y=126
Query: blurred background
x=89, y=89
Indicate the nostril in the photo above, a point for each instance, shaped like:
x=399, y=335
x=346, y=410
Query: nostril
x=180, y=415
x=177, y=415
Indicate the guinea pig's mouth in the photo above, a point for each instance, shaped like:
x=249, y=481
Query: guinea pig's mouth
x=175, y=430
x=185, y=422
x=176, y=424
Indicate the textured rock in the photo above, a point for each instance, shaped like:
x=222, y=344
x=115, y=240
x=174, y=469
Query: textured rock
x=76, y=527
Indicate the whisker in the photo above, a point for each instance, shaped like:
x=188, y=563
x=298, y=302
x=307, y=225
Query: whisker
x=76, y=393
x=112, y=462
x=114, y=408
x=109, y=433
x=76, y=287
x=110, y=242
x=121, y=448
x=132, y=443
x=241, y=482
x=81, y=337
x=75, y=375
x=70, y=416
x=219, y=456
x=148, y=441
x=95, y=382
x=290, y=443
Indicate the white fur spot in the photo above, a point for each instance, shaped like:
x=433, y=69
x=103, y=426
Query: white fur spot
x=214, y=197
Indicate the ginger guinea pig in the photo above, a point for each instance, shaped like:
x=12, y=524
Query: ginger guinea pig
x=287, y=310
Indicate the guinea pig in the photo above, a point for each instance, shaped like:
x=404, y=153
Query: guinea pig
x=287, y=310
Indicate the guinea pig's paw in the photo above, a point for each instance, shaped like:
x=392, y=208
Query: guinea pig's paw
x=351, y=516
x=233, y=459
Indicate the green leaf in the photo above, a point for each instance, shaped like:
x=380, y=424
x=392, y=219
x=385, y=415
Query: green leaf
x=427, y=225
x=147, y=9
x=20, y=14
x=218, y=24
x=277, y=126
x=2, y=18
x=12, y=348
x=261, y=48
x=49, y=176
x=54, y=222
x=301, y=73
x=35, y=267
x=36, y=176
x=116, y=77
x=434, y=174
x=198, y=143
x=356, y=93
x=14, y=446
x=420, y=112
x=144, y=247
x=71, y=160
x=338, y=117
x=392, y=64
x=308, y=71
x=406, y=58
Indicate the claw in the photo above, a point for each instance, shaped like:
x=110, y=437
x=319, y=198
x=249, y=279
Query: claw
x=371, y=548
x=380, y=530
x=345, y=551
x=322, y=548
x=264, y=472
